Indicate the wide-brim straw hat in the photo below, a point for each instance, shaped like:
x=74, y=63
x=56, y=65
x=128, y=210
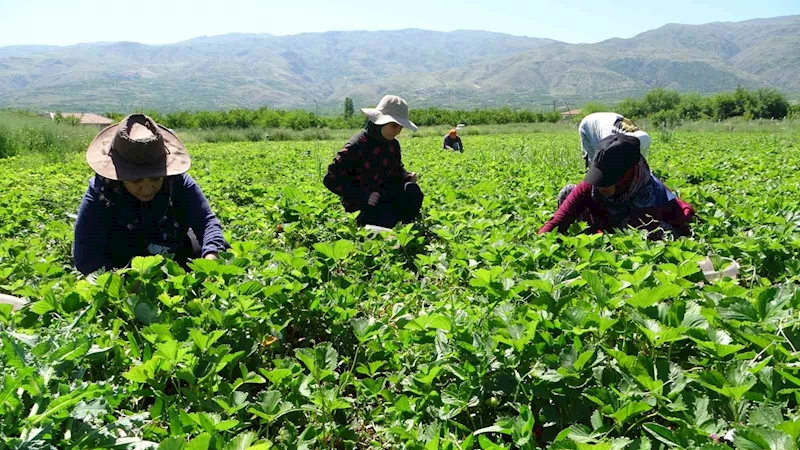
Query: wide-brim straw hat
x=137, y=148
x=391, y=109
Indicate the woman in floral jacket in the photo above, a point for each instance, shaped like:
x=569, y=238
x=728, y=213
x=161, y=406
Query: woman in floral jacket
x=368, y=173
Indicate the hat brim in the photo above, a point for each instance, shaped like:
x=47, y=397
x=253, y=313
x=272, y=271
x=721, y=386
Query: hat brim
x=106, y=164
x=378, y=118
x=596, y=177
x=605, y=178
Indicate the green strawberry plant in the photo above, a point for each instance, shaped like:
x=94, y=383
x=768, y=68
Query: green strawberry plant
x=464, y=330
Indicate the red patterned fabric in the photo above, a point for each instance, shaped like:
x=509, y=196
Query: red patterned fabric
x=677, y=213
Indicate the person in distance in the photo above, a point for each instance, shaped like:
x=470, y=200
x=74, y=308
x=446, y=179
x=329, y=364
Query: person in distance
x=598, y=126
x=452, y=141
x=368, y=173
x=619, y=190
x=141, y=201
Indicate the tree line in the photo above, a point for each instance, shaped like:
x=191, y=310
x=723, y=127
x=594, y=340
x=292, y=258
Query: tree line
x=303, y=120
x=662, y=106
x=668, y=108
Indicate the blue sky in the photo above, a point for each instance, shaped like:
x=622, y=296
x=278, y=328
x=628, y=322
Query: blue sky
x=65, y=22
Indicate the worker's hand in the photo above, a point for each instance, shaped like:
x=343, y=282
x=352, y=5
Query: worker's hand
x=411, y=177
x=448, y=148
x=373, y=198
x=211, y=256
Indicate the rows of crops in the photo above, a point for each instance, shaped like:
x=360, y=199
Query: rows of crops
x=465, y=330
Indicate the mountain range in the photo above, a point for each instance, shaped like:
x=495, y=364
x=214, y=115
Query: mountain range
x=465, y=69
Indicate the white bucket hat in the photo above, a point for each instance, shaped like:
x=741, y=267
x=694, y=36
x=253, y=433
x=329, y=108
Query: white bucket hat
x=391, y=109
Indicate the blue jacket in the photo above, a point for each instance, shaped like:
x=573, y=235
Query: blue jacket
x=113, y=226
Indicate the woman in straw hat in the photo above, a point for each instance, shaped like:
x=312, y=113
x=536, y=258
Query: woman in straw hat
x=141, y=201
x=452, y=141
x=368, y=173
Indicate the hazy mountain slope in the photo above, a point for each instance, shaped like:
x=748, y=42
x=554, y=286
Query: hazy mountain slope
x=462, y=68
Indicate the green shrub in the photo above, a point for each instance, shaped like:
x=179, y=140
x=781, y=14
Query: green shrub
x=7, y=147
x=115, y=116
x=757, y=104
x=726, y=106
x=552, y=117
x=316, y=134
x=281, y=135
x=695, y=107
x=25, y=133
x=660, y=100
x=591, y=108
x=767, y=104
x=631, y=108
x=255, y=135
x=665, y=120
x=67, y=120
x=794, y=111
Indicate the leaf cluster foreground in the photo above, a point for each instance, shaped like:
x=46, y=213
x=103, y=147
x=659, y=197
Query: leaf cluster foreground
x=465, y=330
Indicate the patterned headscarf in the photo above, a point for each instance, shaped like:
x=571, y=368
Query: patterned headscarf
x=644, y=191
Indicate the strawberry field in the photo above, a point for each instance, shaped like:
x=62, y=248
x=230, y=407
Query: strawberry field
x=465, y=330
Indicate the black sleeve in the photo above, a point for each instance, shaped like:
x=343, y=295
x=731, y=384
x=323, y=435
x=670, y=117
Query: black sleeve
x=341, y=176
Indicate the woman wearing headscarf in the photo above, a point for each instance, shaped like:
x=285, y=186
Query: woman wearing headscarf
x=141, y=201
x=598, y=126
x=368, y=173
x=452, y=141
x=619, y=191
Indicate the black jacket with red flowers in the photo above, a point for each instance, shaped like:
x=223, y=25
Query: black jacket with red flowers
x=367, y=163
